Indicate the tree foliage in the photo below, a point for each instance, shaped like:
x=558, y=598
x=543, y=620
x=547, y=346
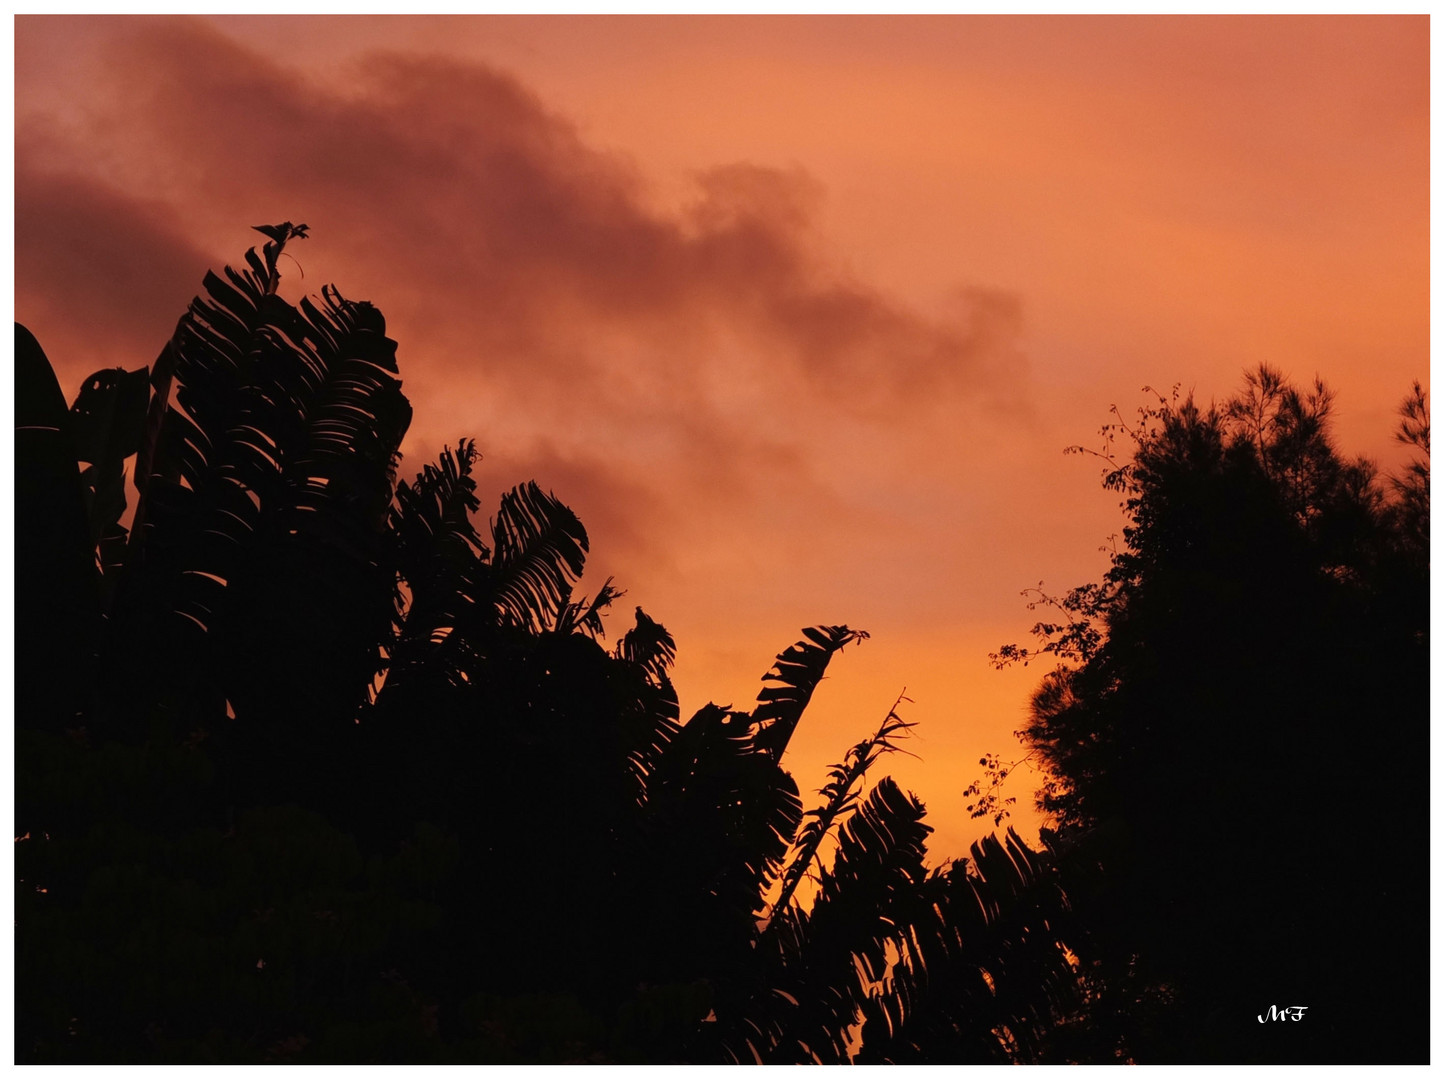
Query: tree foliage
x=1244, y=698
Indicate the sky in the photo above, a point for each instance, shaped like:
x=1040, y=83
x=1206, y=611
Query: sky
x=799, y=314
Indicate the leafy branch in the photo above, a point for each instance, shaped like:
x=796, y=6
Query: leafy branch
x=988, y=800
x=1117, y=476
x=1076, y=637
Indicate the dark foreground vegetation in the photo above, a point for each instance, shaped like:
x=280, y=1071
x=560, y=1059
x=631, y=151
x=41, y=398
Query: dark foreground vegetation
x=310, y=768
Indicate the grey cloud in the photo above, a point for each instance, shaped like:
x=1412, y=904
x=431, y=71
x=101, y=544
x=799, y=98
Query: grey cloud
x=541, y=304
x=100, y=277
x=460, y=180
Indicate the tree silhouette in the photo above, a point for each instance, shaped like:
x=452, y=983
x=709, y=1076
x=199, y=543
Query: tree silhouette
x=311, y=768
x=1243, y=704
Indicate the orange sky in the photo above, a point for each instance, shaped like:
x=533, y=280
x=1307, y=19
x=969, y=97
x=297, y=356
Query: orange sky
x=797, y=313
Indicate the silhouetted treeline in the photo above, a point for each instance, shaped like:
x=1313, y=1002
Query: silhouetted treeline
x=312, y=768
x=1240, y=727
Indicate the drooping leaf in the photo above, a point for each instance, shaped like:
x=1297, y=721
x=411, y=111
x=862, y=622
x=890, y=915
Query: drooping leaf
x=56, y=599
x=439, y=560
x=539, y=549
x=794, y=676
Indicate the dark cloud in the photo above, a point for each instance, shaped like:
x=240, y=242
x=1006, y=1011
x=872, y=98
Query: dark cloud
x=456, y=187
x=100, y=277
x=691, y=380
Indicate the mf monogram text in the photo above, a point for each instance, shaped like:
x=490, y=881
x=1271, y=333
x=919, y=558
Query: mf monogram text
x=1289, y=1012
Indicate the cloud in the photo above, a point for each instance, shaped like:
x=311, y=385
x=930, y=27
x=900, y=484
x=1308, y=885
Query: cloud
x=701, y=383
x=453, y=185
x=101, y=277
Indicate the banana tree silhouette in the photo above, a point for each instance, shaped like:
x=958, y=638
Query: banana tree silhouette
x=244, y=605
x=408, y=726
x=989, y=969
x=253, y=609
x=893, y=963
x=721, y=812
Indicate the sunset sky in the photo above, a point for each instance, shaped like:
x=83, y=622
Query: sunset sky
x=798, y=314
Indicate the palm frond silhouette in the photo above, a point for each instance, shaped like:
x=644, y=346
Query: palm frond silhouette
x=312, y=768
